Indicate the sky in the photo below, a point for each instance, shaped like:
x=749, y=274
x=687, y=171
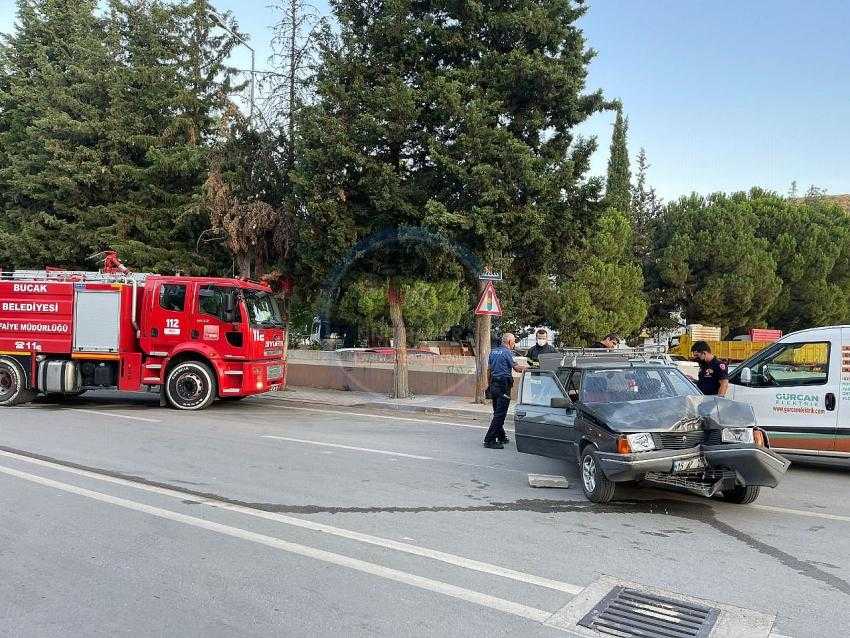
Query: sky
x=723, y=94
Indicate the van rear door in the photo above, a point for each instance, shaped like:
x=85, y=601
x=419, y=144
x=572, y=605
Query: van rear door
x=794, y=390
x=842, y=439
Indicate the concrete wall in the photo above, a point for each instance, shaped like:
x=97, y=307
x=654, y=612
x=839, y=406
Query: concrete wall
x=380, y=380
x=448, y=376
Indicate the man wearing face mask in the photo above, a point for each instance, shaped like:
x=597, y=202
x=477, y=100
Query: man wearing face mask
x=541, y=347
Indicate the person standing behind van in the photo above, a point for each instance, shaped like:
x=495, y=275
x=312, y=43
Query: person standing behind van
x=713, y=373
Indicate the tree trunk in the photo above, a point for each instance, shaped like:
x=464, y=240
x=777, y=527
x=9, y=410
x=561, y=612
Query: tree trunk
x=243, y=264
x=395, y=297
x=482, y=350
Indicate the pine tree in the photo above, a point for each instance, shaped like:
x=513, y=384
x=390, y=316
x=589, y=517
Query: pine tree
x=504, y=169
x=455, y=119
x=618, y=186
x=53, y=107
x=105, y=131
x=604, y=292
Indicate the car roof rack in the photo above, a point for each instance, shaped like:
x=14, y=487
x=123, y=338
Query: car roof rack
x=573, y=356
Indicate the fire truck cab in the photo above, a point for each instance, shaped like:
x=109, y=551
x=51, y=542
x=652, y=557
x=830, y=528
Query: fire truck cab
x=195, y=338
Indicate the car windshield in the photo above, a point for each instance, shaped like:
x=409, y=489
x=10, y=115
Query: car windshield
x=635, y=384
x=263, y=311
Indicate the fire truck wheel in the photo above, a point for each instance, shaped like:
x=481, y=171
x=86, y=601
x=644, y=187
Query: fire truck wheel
x=13, y=389
x=190, y=386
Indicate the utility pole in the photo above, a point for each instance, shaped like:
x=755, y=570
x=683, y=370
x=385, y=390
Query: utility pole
x=221, y=23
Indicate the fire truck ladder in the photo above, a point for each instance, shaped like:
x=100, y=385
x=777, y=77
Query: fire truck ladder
x=63, y=276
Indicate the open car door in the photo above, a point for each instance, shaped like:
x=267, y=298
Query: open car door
x=544, y=420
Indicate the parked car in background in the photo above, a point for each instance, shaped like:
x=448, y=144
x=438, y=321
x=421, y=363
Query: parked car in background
x=624, y=420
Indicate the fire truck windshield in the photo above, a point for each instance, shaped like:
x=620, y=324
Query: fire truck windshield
x=262, y=309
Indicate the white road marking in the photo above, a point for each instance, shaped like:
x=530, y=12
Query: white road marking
x=115, y=414
x=444, y=557
x=461, y=593
x=347, y=447
x=391, y=418
x=785, y=510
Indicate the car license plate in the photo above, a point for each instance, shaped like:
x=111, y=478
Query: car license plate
x=274, y=388
x=275, y=372
x=688, y=465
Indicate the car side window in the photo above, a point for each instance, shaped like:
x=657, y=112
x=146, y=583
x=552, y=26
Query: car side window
x=792, y=365
x=540, y=389
x=172, y=297
x=574, y=385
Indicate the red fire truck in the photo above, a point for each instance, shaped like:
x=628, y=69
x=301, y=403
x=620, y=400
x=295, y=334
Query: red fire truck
x=196, y=338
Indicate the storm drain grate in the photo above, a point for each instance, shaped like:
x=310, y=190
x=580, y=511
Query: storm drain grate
x=631, y=613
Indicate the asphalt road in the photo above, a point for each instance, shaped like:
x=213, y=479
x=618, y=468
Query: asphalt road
x=265, y=517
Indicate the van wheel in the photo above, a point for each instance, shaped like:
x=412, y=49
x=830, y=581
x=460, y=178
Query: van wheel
x=597, y=487
x=191, y=386
x=13, y=382
x=742, y=494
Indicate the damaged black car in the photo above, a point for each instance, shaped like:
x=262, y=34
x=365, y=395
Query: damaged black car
x=631, y=419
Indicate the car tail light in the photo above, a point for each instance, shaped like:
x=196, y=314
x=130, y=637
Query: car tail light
x=623, y=446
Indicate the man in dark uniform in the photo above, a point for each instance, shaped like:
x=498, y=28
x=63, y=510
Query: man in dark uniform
x=500, y=375
x=610, y=341
x=541, y=347
x=713, y=373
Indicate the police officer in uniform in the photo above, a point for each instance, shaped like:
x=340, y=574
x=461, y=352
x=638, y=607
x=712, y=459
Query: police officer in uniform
x=541, y=347
x=500, y=374
x=713, y=373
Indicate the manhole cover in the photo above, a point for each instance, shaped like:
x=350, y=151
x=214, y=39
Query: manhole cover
x=630, y=613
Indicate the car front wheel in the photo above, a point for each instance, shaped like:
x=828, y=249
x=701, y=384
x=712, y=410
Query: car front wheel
x=742, y=494
x=597, y=487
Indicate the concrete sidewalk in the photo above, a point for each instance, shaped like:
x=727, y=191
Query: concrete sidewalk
x=429, y=404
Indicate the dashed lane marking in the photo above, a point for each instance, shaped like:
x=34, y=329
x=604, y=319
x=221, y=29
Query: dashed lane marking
x=116, y=415
x=347, y=447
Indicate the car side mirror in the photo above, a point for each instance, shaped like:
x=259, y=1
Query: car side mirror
x=746, y=376
x=560, y=402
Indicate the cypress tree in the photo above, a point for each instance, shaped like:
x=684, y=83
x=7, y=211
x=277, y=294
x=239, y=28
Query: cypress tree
x=618, y=185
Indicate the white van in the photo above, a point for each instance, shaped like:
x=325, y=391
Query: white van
x=799, y=389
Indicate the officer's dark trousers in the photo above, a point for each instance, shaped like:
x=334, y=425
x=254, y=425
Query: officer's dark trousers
x=500, y=391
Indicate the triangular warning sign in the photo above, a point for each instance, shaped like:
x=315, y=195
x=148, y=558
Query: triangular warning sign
x=489, y=302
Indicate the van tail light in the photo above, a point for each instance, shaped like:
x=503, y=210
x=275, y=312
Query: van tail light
x=760, y=438
x=623, y=446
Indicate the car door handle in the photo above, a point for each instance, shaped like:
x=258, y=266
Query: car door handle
x=829, y=400
x=520, y=414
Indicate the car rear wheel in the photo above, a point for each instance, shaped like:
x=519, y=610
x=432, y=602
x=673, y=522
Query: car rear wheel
x=191, y=386
x=597, y=487
x=742, y=494
x=13, y=382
